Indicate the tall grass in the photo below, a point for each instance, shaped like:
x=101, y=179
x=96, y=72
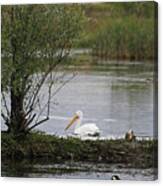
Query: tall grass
x=121, y=30
x=123, y=38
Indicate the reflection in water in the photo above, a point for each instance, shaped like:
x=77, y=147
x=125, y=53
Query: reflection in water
x=78, y=170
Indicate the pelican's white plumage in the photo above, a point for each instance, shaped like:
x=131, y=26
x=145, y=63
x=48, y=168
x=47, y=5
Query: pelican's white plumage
x=88, y=129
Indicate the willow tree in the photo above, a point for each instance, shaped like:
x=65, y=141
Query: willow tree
x=36, y=40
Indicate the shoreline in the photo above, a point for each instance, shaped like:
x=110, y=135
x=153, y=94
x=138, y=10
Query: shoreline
x=135, y=154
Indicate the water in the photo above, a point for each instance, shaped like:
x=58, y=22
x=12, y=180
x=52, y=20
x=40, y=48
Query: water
x=116, y=103
x=72, y=170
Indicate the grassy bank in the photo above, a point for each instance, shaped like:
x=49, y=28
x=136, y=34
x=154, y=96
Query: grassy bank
x=139, y=154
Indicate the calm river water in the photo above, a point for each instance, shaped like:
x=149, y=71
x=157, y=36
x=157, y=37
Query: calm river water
x=116, y=102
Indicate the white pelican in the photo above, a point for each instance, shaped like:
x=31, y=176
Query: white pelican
x=88, y=129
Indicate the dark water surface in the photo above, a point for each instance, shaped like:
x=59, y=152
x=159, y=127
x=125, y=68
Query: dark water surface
x=72, y=170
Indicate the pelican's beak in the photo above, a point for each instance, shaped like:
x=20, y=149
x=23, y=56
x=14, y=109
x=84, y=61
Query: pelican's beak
x=72, y=121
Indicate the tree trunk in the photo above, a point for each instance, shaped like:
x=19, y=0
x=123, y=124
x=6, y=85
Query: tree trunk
x=17, y=115
x=17, y=118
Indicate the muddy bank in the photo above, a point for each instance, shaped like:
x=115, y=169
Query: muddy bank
x=74, y=170
x=136, y=154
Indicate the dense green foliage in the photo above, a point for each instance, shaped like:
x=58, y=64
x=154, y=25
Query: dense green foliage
x=33, y=31
x=126, y=38
x=37, y=145
x=36, y=30
x=121, y=30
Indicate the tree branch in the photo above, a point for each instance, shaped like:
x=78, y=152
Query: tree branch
x=5, y=103
x=54, y=93
x=30, y=121
x=39, y=123
x=39, y=85
x=6, y=119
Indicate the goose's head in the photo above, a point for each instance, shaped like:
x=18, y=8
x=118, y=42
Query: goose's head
x=77, y=116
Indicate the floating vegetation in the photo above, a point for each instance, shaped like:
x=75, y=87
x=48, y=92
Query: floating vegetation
x=130, y=86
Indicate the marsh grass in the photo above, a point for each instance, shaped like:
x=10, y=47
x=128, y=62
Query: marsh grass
x=121, y=30
x=139, y=154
